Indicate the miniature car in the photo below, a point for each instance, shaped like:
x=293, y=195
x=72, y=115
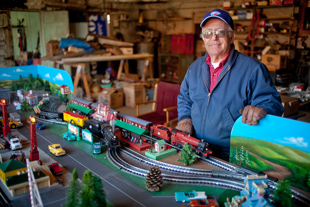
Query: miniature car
x=188, y=196
x=55, y=168
x=97, y=148
x=210, y=202
x=40, y=126
x=56, y=150
x=69, y=136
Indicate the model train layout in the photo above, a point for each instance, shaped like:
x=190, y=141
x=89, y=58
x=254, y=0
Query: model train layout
x=98, y=120
x=109, y=126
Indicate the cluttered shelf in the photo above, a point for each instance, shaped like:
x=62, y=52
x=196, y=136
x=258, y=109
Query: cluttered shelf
x=260, y=7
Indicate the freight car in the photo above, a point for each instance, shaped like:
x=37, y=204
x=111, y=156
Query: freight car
x=74, y=118
x=178, y=138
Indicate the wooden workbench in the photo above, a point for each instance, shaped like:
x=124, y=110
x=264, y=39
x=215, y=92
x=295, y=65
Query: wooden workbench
x=124, y=62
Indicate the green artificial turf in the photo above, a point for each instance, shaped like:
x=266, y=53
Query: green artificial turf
x=168, y=188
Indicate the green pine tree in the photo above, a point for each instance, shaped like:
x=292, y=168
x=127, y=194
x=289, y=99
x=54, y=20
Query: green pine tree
x=187, y=157
x=13, y=86
x=47, y=86
x=99, y=192
x=283, y=194
x=236, y=156
x=246, y=159
x=90, y=194
x=308, y=178
x=73, y=193
x=25, y=105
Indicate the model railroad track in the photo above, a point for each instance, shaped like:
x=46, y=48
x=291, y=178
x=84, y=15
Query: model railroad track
x=210, y=161
x=179, y=169
x=297, y=196
x=193, y=176
x=51, y=121
x=226, y=183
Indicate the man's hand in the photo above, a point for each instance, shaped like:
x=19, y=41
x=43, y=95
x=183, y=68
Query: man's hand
x=185, y=125
x=252, y=114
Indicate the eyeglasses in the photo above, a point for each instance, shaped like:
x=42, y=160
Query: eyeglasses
x=218, y=33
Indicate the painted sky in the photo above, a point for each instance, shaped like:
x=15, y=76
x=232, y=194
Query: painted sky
x=56, y=76
x=279, y=130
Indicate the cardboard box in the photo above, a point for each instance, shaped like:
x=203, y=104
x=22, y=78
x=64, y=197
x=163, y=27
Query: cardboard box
x=275, y=2
x=52, y=47
x=290, y=104
x=134, y=93
x=112, y=97
x=274, y=62
x=262, y=3
x=25, y=56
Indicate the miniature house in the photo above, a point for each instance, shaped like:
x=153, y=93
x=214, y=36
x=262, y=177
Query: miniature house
x=13, y=174
x=103, y=113
x=65, y=89
x=31, y=98
x=160, y=146
x=20, y=95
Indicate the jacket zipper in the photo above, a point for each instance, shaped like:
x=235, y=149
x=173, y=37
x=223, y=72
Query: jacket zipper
x=209, y=95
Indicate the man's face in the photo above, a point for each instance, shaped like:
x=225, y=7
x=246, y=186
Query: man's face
x=217, y=47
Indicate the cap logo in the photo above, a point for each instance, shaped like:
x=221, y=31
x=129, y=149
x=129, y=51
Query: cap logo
x=215, y=13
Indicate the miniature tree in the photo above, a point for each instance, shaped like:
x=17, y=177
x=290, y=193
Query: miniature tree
x=13, y=86
x=237, y=157
x=283, y=194
x=25, y=106
x=308, y=178
x=73, y=191
x=187, y=157
x=47, y=86
x=99, y=192
x=154, y=180
x=92, y=193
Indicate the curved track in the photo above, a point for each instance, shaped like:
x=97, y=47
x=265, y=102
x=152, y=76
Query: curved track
x=188, y=179
x=175, y=174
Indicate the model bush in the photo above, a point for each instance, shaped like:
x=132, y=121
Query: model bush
x=187, y=156
x=154, y=180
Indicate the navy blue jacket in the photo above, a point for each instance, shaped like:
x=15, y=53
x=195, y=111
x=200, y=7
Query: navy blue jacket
x=243, y=81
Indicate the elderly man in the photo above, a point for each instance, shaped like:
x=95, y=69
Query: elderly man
x=222, y=85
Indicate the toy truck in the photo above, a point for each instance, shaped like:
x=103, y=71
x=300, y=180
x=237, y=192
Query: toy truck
x=12, y=123
x=15, y=144
x=16, y=117
x=56, y=150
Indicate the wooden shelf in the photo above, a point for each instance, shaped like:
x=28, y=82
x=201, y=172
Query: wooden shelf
x=261, y=7
x=158, y=19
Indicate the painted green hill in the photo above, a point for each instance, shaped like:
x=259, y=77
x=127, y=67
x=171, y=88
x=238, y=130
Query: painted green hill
x=294, y=159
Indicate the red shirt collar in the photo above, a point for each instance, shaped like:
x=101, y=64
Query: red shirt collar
x=222, y=63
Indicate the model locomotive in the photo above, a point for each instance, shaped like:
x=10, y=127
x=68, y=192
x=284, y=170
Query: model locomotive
x=178, y=138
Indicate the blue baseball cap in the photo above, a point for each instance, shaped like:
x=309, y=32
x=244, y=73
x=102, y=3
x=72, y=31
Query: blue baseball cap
x=219, y=14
